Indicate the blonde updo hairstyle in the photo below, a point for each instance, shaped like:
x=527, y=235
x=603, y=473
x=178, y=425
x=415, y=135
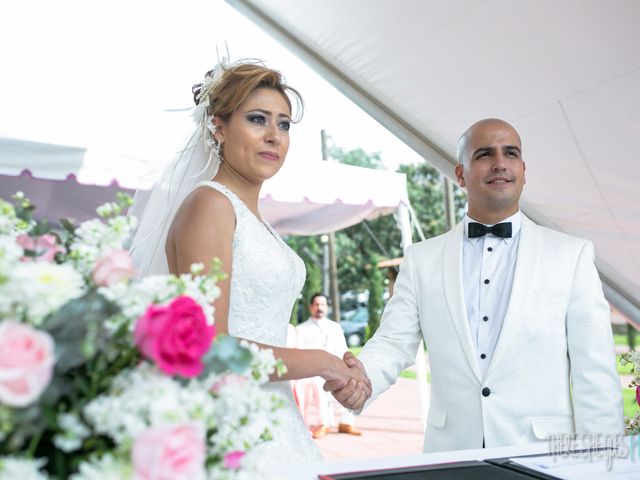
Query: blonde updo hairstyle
x=236, y=83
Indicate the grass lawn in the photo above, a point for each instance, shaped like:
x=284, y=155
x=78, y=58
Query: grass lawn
x=626, y=370
x=630, y=405
x=404, y=374
x=620, y=339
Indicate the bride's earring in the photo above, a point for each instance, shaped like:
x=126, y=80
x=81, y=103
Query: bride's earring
x=218, y=151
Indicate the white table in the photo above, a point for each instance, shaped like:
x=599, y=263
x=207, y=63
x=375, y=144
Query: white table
x=572, y=466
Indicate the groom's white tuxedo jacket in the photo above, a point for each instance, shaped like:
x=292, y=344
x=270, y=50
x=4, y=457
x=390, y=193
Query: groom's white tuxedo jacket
x=553, y=368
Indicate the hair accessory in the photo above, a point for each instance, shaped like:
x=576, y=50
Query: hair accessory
x=201, y=112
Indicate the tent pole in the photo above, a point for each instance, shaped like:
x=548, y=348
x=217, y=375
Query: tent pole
x=404, y=224
x=333, y=291
x=333, y=275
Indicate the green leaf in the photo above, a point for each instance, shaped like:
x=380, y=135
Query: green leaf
x=41, y=228
x=226, y=354
x=76, y=323
x=68, y=224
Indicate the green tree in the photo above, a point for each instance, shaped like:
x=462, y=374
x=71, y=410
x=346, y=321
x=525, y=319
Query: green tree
x=426, y=195
x=357, y=157
x=376, y=290
x=356, y=246
x=310, y=251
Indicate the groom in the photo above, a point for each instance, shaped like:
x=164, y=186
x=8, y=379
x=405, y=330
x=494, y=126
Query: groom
x=513, y=316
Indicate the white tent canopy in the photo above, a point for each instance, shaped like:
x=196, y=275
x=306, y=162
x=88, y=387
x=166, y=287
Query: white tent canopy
x=304, y=198
x=565, y=74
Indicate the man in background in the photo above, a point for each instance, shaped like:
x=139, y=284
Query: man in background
x=319, y=332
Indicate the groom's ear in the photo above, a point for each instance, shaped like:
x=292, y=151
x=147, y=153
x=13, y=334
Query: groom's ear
x=459, y=171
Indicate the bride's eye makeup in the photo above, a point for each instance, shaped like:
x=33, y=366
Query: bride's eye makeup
x=285, y=125
x=257, y=118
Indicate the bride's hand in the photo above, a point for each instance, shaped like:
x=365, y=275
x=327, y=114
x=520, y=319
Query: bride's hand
x=354, y=395
x=338, y=374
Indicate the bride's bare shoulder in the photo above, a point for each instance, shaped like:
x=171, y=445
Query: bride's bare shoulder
x=206, y=204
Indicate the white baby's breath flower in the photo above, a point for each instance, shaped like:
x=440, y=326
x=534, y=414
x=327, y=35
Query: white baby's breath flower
x=107, y=209
x=105, y=468
x=8, y=218
x=240, y=414
x=94, y=238
x=134, y=299
x=145, y=397
x=73, y=432
x=10, y=254
x=39, y=288
x=197, y=268
x=246, y=414
x=7, y=225
x=14, y=468
x=263, y=363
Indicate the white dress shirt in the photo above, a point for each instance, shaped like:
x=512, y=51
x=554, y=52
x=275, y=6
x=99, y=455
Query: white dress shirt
x=488, y=265
x=323, y=334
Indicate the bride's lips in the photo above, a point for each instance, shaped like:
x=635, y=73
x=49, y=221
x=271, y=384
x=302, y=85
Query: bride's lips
x=274, y=157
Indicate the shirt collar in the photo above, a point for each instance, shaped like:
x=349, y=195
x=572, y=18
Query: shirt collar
x=515, y=219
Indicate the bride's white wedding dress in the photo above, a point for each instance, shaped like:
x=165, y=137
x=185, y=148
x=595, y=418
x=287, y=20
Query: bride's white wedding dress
x=266, y=278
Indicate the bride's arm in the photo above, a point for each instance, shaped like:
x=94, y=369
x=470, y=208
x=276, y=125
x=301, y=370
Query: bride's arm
x=202, y=229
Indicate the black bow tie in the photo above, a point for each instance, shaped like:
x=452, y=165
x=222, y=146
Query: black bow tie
x=502, y=230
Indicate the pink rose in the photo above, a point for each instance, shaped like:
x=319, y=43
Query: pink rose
x=44, y=246
x=229, y=379
x=113, y=267
x=175, y=336
x=233, y=460
x=638, y=394
x=26, y=363
x=170, y=453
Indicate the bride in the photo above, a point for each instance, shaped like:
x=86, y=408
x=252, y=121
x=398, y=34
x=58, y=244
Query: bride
x=206, y=206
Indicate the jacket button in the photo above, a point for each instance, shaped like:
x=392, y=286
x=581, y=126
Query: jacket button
x=486, y=392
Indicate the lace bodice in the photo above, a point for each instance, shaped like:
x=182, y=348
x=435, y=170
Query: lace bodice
x=266, y=278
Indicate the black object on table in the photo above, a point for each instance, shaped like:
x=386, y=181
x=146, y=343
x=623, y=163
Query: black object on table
x=495, y=469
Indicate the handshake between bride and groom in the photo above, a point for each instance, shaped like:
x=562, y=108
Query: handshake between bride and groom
x=513, y=316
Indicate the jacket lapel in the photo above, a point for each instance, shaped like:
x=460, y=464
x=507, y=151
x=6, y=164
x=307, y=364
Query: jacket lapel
x=527, y=261
x=453, y=289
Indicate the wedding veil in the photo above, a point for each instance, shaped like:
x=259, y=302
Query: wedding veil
x=155, y=209
x=198, y=161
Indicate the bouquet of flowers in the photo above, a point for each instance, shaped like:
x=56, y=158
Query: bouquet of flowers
x=103, y=376
x=632, y=424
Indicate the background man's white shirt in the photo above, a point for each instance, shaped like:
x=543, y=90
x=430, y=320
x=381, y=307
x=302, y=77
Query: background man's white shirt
x=325, y=334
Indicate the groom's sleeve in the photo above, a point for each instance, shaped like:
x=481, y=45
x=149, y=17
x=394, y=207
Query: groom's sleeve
x=394, y=346
x=596, y=391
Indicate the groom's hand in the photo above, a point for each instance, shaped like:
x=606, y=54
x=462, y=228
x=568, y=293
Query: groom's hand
x=352, y=362
x=354, y=395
